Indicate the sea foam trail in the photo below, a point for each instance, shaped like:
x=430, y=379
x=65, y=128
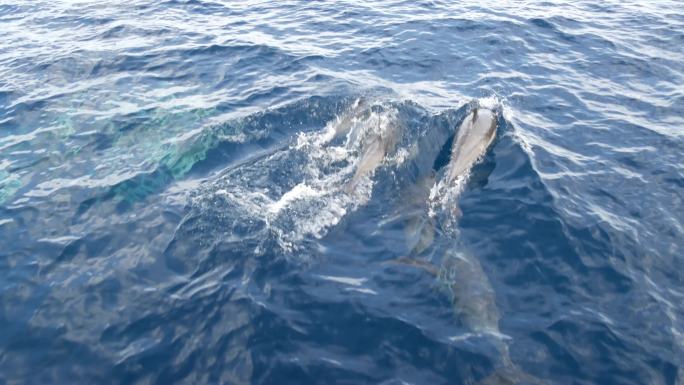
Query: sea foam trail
x=307, y=187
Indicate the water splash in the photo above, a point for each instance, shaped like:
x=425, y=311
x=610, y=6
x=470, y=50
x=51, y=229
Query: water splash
x=319, y=167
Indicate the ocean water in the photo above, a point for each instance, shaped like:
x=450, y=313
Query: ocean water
x=177, y=208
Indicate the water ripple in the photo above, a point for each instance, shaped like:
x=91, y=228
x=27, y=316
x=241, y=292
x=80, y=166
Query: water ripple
x=175, y=205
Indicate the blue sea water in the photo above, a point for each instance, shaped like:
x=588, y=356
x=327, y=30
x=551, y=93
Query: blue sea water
x=174, y=208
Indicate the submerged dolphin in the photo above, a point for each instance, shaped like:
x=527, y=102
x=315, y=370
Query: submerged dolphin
x=420, y=228
x=474, y=300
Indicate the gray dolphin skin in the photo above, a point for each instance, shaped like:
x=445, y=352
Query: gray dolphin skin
x=475, y=134
x=374, y=149
x=376, y=142
x=472, y=295
x=420, y=227
x=474, y=300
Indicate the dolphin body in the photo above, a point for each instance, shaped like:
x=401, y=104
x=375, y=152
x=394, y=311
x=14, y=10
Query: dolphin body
x=378, y=136
x=472, y=295
x=420, y=229
x=474, y=300
x=373, y=151
x=475, y=135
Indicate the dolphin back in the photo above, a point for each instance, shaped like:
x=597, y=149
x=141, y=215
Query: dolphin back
x=375, y=148
x=476, y=133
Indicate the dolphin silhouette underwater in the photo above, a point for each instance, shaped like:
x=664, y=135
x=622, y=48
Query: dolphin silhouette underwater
x=472, y=295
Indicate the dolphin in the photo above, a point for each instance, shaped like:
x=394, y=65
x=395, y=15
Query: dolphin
x=475, y=135
x=471, y=292
x=379, y=138
x=420, y=227
x=376, y=134
x=474, y=299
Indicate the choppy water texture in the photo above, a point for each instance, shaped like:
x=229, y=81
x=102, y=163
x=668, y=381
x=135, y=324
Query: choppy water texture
x=176, y=207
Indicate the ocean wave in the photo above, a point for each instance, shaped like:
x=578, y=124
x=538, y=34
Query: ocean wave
x=204, y=192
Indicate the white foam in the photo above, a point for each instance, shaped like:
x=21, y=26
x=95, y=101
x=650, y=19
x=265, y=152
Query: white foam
x=300, y=191
x=492, y=102
x=323, y=194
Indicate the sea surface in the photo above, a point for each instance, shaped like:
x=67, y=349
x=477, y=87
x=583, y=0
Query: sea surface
x=178, y=204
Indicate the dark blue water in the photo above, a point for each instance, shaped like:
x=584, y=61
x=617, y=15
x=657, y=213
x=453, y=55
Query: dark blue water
x=175, y=209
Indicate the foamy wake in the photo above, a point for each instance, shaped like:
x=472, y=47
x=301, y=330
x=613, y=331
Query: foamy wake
x=315, y=194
